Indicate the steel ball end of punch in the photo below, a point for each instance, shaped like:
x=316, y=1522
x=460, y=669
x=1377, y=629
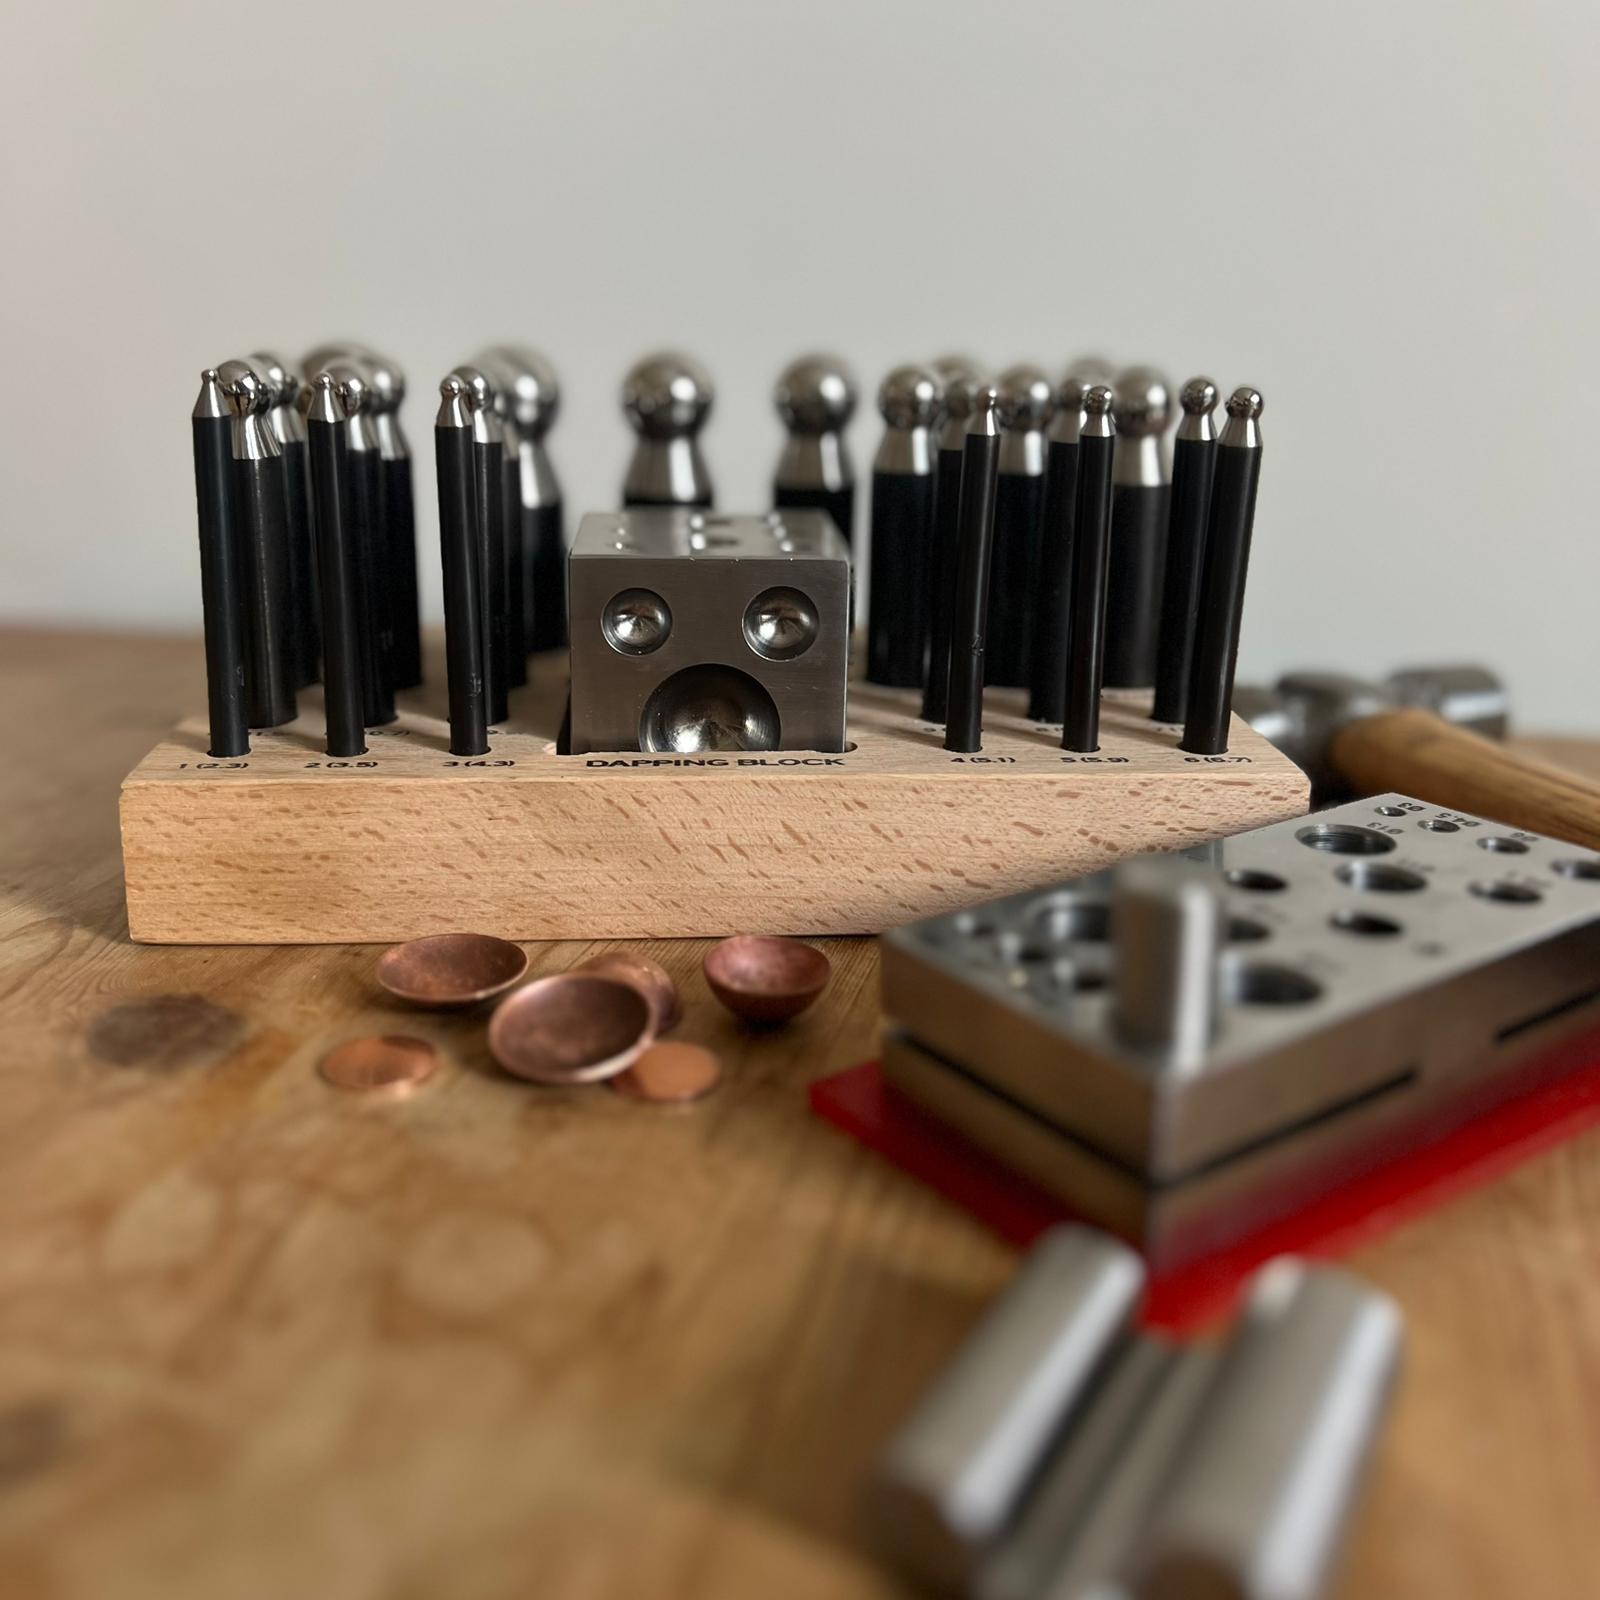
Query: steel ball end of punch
x=961, y=380
x=1223, y=569
x=948, y=367
x=462, y=569
x=260, y=509
x=1197, y=399
x=1139, y=505
x=222, y=579
x=969, y=619
x=1088, y=573
x=900, y=551
x=1088, y=370
x=1193, y=466
x=531, y=383
x=815, y=398
x=667, y=398
x=1025, y=406
x=382, y=375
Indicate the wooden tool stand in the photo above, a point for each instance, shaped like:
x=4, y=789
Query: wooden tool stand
x=288, y=846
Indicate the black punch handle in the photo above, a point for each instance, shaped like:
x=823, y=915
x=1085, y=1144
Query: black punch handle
x=397, y=513
x=1193, y=464
x=547, y=553
x=1133, y=585
x=942, y=582
x=1016, y=553
x=900, y=558
x=1047, y=663
x=840, y=504
x=488, y=513
x=516, y=579
x=221, y=589
x=463, y=595
x=302, y=562
x=337, y=588
x=1222, y=579
x=648, y=502
x=1086, y=632
x=372, y=588
x=969, y=623
x=258, y=494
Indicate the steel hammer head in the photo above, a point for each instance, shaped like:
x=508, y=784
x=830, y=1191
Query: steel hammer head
x=1302, y=711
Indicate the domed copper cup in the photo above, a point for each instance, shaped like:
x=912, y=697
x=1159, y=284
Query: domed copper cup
x=572, y=1027
x=649, y=977
x=765, y=978
x=446, y=970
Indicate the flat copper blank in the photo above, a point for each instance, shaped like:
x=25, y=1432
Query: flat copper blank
x=763, y=977
x=670, y=1073
x=573, y=1027
x=451, y=969
x=391, y=1065
x=652, y=979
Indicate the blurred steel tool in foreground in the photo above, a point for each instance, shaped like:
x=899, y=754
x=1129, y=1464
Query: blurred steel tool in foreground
x=1065, y=1456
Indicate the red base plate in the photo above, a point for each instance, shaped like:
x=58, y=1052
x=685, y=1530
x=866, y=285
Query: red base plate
x=861, y=1103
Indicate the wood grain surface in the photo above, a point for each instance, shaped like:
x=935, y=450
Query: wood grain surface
x=287, y=847
x=261, y=1339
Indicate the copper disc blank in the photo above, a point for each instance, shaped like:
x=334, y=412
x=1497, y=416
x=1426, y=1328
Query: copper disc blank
x=392, y=1064
x=670, y=1073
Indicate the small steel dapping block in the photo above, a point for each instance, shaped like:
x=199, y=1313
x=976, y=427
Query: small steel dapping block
x=1187, y=1047
x=695, y=634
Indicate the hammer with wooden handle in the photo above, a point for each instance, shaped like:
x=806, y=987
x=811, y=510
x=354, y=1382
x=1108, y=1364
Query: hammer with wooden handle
x=1354, y=737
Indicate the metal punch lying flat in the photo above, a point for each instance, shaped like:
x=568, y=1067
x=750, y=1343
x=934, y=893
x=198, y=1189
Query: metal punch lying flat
x=1064, y=1456
x=1186, y=1047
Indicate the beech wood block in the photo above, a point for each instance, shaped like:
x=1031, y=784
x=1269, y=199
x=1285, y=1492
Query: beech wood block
x=287, y=846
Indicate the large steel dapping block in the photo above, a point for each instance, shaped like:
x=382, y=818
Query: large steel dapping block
x=694, y=633
x=1187, y=1047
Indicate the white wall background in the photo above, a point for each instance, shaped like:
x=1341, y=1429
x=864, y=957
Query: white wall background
x=1384, y=215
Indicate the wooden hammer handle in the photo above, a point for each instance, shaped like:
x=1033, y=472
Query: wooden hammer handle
x=1417, y=753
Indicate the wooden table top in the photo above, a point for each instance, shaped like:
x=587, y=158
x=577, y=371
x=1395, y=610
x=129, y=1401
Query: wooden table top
x=258, y=1338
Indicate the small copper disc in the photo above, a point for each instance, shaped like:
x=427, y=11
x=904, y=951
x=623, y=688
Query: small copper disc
x=392, y=1064
x=573, y=1027
x=649, y=977
x=670, y=1073
x=451, y=969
